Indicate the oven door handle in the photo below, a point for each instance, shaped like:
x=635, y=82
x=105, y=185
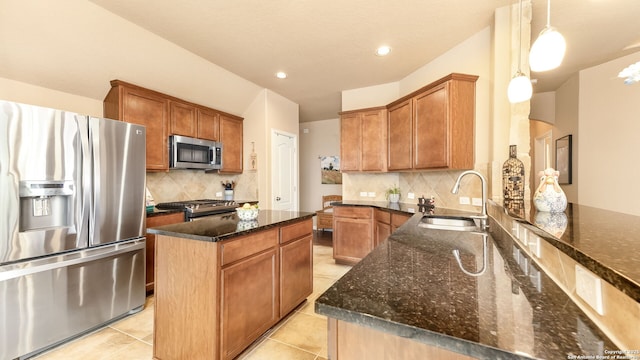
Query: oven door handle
x=76, y=258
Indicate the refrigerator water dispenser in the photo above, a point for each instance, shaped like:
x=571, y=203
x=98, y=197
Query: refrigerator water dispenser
x=45, y=204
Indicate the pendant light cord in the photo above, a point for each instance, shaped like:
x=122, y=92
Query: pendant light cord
x=520, y=39
x=548, y=13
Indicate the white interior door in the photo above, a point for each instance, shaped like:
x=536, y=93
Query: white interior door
x=542, y=155
x=284, y=183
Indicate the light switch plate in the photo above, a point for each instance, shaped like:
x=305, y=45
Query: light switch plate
x=219, y=194
x=411, y=196
x=363, y=194
x=589, y=288
x=464, y=200
x=371, y=194
x=476, y=201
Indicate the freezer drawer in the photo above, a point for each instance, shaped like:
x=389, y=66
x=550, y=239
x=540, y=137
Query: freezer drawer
x=50, y=300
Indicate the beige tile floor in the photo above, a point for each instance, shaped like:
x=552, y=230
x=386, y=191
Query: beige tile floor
x=301, y=335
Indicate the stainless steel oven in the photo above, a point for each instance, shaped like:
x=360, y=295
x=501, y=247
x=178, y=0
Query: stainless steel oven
x=194, y=209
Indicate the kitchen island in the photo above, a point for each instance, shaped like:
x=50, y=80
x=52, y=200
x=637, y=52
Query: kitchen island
x=220, y=283
x=412, y=298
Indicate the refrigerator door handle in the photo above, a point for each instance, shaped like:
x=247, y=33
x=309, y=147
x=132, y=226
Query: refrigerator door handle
x=116, y=250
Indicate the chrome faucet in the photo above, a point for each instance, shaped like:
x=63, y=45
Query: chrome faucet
x=483, y=214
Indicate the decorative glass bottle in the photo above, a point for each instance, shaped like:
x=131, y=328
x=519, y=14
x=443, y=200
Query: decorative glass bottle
x=513, y=182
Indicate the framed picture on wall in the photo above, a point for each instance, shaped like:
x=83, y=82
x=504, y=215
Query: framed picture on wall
x=563, y=159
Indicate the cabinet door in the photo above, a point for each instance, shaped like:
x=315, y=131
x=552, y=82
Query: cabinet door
x=154, y=221
x=145, y=108
x=182, y=119
x=350, y=142
x=353, y=239
x=374, y=140
x=249, y=301
x=382, y=232
x=208, y=124
x=400, y=136
x=296, y=273
x=431, y=129
x=231, y=139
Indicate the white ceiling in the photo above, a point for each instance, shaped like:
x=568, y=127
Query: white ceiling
x=328, y=46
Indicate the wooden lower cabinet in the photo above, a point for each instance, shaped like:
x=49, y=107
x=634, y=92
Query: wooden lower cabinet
x=352, y=233
x=350, y=341
x=359, y=229
x=153, y=221
x=249, y=301
x=213, y=299
x=382, y=226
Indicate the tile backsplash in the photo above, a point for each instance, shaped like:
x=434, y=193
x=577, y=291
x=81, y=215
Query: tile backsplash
x=422, y=183
x=180, y=185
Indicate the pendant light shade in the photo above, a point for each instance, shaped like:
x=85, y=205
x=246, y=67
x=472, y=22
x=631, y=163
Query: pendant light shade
x=519, y=89
x=548, y=50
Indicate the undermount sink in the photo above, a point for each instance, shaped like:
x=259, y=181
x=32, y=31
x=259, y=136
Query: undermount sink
x=458, y=223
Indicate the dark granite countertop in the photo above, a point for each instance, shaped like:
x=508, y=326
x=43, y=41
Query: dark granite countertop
x=605, y=242
x=412, y=286
x=225, y=226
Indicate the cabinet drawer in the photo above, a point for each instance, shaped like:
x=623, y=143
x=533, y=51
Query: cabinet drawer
x=383, y=216
x=241, y=247
x=296, y=231
x=356, y=212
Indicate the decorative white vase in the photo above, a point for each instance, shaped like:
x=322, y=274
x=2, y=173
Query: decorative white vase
x=394, y=198
x=228, y=195
x=549, y=197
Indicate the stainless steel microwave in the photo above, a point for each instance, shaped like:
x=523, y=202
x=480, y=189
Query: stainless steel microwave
x=191, y=153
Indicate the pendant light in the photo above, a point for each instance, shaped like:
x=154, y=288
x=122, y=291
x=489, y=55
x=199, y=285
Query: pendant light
x=519, y=89
x=548, y=50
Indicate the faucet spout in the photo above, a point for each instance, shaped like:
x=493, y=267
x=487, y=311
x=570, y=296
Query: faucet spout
x=483, y=213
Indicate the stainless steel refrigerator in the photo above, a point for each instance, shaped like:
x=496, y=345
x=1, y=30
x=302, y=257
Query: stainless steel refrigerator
x=72, y=217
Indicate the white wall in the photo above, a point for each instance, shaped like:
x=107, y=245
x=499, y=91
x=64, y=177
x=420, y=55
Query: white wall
x=21, y=92
x=281, y=114
x=543, y=107
x=322, y=138
x=609, y=142
x=371, y=96
x=567, y=123
x=77, y=47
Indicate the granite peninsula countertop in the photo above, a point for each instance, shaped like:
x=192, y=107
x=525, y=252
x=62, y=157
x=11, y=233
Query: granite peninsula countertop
x=224, y=226
x=493, y=304
x=605, y=242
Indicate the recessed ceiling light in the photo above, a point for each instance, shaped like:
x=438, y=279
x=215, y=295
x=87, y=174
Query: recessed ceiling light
x=281, y=75
x=383, y=50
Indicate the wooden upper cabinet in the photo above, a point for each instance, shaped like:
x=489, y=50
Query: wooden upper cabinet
x=400, y=136
x=182, y=119
x=140, y=106
x=363, y=140
x=208, y=124
x=433, y=128
x=231, y=139
x=164, y=115
x=350, y=140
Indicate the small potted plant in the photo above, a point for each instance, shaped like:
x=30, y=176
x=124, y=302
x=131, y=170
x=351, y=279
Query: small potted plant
x=393, y=194
x=228, y=189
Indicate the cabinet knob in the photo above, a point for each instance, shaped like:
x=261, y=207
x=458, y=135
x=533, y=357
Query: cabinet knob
x=277, y=198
